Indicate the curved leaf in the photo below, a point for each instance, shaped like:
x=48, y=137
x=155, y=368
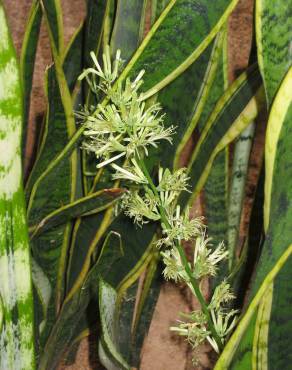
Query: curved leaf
x=233, y=112
x=93, y=203
x=107, y=304
x=75, y=308
x=43, y=289
x=186, y=46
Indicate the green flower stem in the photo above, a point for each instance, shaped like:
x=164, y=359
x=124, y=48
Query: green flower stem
x=183, y=257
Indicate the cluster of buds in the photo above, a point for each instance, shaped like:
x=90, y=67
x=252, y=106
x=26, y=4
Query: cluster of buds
x=125, y=127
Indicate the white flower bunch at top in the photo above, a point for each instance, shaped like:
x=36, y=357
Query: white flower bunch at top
x=124, y=127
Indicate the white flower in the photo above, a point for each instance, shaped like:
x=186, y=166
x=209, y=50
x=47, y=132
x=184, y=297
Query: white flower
x=205, y=258
x=194, y=329
x=107, y=75
x=141, y=208
x=130, y=173
x=174, y=269
x=180, y=227
x=125, y=126
x=221, y=296
x=171, y=184
x=223, y=323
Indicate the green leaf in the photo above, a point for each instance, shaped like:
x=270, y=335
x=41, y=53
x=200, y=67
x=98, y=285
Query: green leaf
x=50, y=249
x=273, y=37
x=238, y=106
x=43, y=289
x=53, y=12
x=95, y=19
x=1, y=314
x=107, y=304
x=157, y=7
x=175, y=52
x=277, y=216
x=93, y=203
x=95, y=24
x=73, y=57
x=237, y=189
x=145, y=307
x=216, y=187
x=17, y=329
x=225, y=360
x=27, y=60
x=75, y=307
x=212, y=80
x=128, y=27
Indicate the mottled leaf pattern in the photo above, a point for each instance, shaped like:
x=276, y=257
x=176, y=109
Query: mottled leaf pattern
x=274, y=35
x=17, y=314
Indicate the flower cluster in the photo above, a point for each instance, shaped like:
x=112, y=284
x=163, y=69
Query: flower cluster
x=124, y=126
x=195, y=325
x=204, y=264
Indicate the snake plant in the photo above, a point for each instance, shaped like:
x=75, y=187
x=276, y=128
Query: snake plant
x=70, y=261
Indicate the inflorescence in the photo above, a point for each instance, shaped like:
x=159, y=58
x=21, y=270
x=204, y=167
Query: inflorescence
x=124, y=126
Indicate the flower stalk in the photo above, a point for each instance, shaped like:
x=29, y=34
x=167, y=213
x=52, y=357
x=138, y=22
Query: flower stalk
x=185, y=262
x=126, y=127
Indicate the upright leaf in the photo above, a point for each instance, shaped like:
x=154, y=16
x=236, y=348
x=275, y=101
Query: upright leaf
x=107, y=304
x=237, y=186
x=196, y=25
x=27, y=60
x=17, y=329
x=226, y=359
x=273, y=36
x=274, y=341
x=75, y=308
x=50, y=249
x=233, y=112
x=128, y=27
x=53, y=12
x=216, y=187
